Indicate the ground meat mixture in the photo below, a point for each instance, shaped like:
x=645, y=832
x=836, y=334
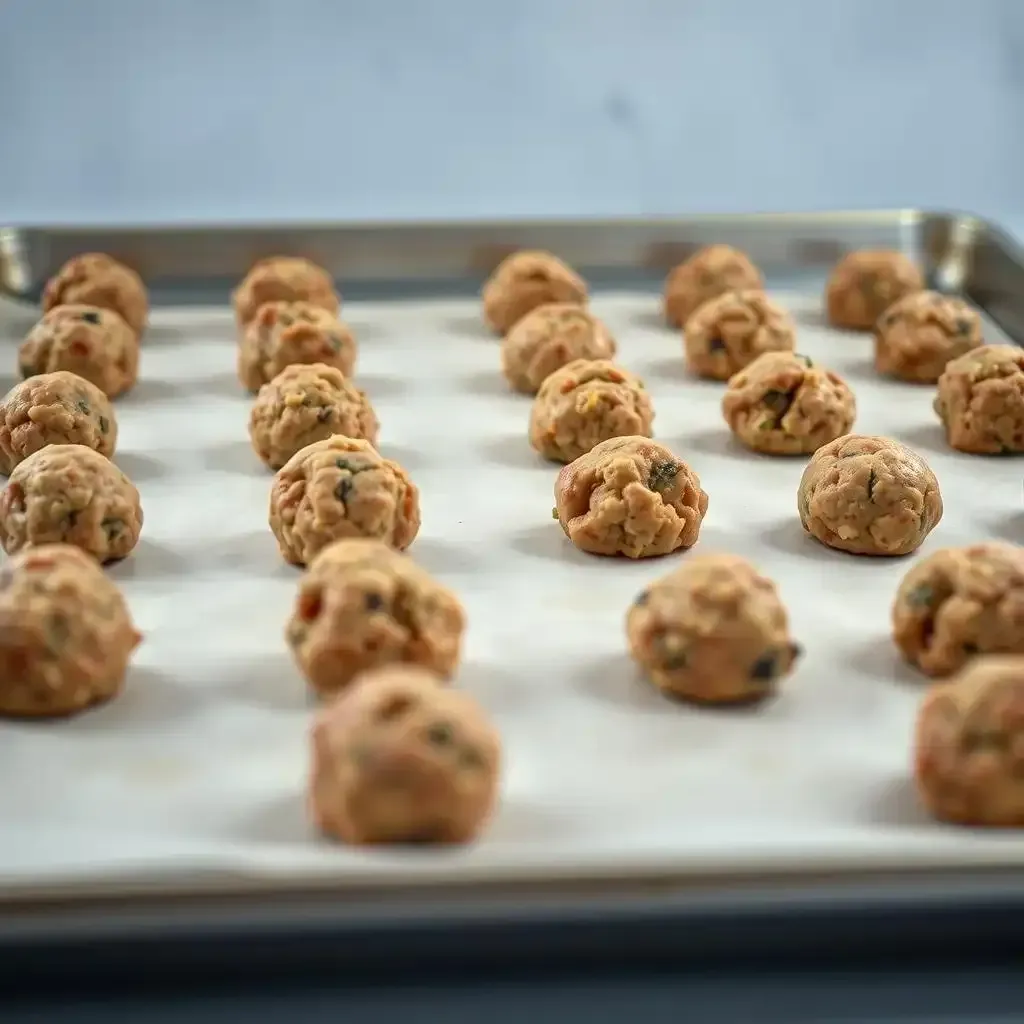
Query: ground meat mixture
x=783, y=404
x=70, y=494
x=399, y=758
x=66, y=635
x=729, y=332
x=524, y=281
x=587, y=402
x=960, y=602
x=91, y=342
x=981, y=401
x=869, y=496
x=306, y=403
x=341, y=487
x=864, y=284
x=54, y=408
x=630, y=496
x=361, y=605
x=713, y=631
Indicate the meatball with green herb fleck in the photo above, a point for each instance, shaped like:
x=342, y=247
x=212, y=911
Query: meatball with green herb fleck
x=969, y=745
x=97, y=280
x=292, y=333
x=865, y=283
x=54, y=408
x=401, y=758
x=958, y=603
x=524, y=281
x=918, y=335
x=783, y=404
x=980, y=401
x=361, y=605
x=708, y=273
x=630, y=496
x=548, y=338
x=584, y=403
x=306, y=403
x=713, y=631
x=729, y=332
x=70, y=494
x=284, y=279
x=91, y=342
x=869, y=496
x=66, y=635
x=337, y=488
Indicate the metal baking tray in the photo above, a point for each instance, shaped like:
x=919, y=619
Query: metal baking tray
x=411, y=294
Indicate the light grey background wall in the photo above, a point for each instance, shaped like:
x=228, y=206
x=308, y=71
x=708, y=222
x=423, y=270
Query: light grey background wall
x=124, y=110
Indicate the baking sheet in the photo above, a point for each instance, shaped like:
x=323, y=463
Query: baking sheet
x=196, y=774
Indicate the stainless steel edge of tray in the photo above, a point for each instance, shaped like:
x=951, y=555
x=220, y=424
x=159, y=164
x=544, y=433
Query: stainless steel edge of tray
x=959, y=253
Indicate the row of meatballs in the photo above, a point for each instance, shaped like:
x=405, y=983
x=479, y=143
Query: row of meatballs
x=555, y=348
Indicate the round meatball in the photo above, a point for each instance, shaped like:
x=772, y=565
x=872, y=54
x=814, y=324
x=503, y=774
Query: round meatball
x=524, y=281
x=398, y=758
x=864, y=284
x=587, y=402
x=284, y=279
x=66, y=635
x=918, y=335
x=960, y=602
x=980, y=401
x=91, y=342
x=704, y=276
x=70, y=494
x=713, y=631
x=97, y=280
x=547, y=338
x=54, y=408
x=969, y=745
x=292, y=333
x=869, y=496
x=361, y=605
x=630, y=496
x=783, y=404
x=732, y=330
x=341, y=487
x=306, y=403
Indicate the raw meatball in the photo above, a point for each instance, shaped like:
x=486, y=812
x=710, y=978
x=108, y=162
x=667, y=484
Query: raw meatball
x=706, y=275
x=68, y=493
x=54, y=408
x=732, y=330
x=306, y=403
x=362, y=605
x=865, y=284
x=284, y=279
x=712, y=631
x=94, y=343
x=292, y=333
x=918, y=335
x=66, y=635
x=783, y=404
x=341, y=487
x=960, y=602
x=98, y=280
x=869, y=496
x=584, y=403
x=546, y=339
x=981, y=400
x=524, y=281
x=398, y=758
x=630, y=496
x=969, y=745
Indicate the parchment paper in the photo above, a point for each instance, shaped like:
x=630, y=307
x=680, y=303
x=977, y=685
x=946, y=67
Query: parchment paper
x=198, y=770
